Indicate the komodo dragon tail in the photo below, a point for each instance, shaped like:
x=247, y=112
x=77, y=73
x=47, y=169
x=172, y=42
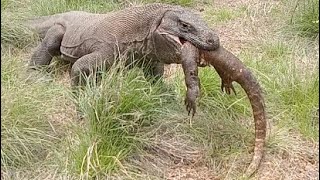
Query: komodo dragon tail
x=42, y=24
x=230, y=69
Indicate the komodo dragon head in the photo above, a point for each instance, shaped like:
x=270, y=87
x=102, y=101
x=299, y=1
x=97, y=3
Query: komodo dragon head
x=179, y=26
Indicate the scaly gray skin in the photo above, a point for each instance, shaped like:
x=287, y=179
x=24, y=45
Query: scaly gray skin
x=230, y=69
x=89, y=41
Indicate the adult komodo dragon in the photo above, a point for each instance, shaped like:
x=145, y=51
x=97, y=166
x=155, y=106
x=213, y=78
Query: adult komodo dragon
x=153, y=32
x=162, y=34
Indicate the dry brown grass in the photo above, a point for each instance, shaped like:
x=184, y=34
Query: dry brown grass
x=172, y=153
x=291, y=156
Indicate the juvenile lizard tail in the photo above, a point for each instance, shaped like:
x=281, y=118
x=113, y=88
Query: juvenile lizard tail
x=254, y=93
x=230, y=69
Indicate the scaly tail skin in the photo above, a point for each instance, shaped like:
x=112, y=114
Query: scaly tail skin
x=253, y=91
x=230, y=69
x=42, y=24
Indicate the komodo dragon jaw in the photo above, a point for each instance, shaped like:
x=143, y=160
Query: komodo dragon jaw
x=180, y=26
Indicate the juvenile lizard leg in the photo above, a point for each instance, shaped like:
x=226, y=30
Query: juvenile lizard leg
x=190, y=56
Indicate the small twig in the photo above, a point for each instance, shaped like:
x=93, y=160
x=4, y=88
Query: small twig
x=295, y=7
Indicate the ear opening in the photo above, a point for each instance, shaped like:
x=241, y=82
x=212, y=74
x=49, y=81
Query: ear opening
x=158, y=20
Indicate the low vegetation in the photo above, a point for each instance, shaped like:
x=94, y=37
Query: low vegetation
x=125, y=126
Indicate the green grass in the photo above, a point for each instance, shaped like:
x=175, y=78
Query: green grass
x=305, y=18
x=222, y=15
x=115, y=111
x=302, y=101
x=14, y=33
x=175, y=2
x=42, y=8
x=27, y=134
x=124, y=115
x=288, y=94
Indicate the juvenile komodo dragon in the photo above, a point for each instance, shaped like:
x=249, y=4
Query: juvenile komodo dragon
x=230, y=69
x=163, y=34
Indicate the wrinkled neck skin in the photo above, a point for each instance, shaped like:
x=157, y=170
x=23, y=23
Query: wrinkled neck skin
x=166, y=49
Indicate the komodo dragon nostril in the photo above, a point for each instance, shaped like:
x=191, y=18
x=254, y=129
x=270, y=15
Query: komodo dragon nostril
x=210, y=41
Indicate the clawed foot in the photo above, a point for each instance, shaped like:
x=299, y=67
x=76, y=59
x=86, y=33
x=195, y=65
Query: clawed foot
x=190, y=101
x=190, y=106
x=228, y=87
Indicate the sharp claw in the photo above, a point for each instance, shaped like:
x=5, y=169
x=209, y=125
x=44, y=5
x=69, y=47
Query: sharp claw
x=228, y=90
x=234, y=91
x=191, y=109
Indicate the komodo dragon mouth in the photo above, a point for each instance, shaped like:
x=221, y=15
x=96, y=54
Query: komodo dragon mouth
x=179, y=41
x=176, y=40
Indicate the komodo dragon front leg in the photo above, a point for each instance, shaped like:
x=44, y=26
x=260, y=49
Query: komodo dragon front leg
x=155, y=71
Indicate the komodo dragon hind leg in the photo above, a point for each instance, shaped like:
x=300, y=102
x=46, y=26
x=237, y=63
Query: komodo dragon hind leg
x=42, y=56
x=48, y=48
x=154, y=71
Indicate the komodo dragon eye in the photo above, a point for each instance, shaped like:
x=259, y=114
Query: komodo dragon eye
x=185, y=26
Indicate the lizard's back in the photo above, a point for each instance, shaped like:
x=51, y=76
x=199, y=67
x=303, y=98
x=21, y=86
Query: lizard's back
x=42, y=24
x=85, y=34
